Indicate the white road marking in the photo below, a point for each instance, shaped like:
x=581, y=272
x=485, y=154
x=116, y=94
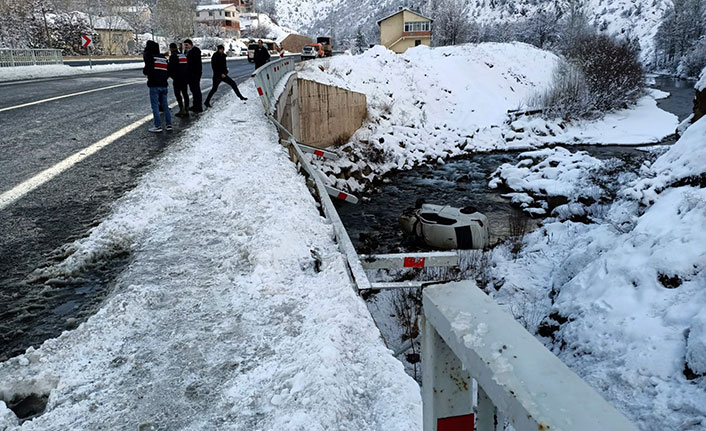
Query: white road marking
x=9, y=108
x=13, y=195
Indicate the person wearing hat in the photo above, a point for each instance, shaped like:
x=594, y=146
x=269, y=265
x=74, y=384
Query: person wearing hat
x=178, y=70
x=156, y=71
x=220, y=74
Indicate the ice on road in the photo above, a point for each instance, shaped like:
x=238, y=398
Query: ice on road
x=222, y=320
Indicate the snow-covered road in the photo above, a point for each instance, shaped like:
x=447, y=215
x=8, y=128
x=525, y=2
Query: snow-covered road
x=222, y=319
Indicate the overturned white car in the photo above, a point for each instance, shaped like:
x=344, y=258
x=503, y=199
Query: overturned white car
x=446, y=228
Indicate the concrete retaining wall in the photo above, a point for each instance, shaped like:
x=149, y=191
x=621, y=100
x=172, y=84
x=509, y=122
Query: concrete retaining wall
x=320, y=115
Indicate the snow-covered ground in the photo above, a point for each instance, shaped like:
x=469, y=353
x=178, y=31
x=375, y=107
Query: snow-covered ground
x=430, y=104
x=641, y=124
x=550, y=173
x=626, y=296
x=54, y=70
x=222, y=319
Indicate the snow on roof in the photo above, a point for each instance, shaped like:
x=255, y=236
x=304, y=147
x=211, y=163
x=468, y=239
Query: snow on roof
x=214, y=6
x=406, y=9
x=110, y=23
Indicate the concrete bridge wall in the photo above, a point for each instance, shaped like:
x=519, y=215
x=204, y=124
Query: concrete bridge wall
x=320, y=115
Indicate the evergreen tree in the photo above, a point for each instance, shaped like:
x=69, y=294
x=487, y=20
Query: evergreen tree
x=360, y=42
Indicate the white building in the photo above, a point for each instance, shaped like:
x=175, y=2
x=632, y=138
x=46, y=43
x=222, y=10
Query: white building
x=220, y=15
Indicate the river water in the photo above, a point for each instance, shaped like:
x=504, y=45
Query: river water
x=373, y=223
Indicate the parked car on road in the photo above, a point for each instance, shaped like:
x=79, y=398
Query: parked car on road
x=312, y=50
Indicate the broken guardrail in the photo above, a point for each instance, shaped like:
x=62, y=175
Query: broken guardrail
x=467, y=337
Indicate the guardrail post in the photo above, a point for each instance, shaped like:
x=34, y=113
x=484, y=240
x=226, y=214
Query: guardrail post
x=485, y=412
x=447, y=389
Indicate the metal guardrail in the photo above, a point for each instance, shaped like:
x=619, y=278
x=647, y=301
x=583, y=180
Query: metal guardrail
x=466, y=336
x=268, y=76
x=354, y=267
x=29, y=57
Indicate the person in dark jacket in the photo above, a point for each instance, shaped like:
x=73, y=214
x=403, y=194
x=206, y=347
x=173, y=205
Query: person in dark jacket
x=220, y=74
x=193, y=59
x=156, y=71
x=178, y=70
x=261, y=55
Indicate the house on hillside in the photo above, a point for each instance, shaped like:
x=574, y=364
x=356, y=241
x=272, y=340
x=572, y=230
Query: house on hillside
x=225, y=16
x=115, y=33
x=405, y=29
x=242, y=5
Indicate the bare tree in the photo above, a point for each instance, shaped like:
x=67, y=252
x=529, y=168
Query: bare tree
x=261, y=31
x=451, y=23
x=176, y=18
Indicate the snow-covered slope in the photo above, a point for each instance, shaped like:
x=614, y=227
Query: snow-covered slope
x=626, y=295
x=222, y=320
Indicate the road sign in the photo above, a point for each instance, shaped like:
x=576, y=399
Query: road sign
x=87, y=41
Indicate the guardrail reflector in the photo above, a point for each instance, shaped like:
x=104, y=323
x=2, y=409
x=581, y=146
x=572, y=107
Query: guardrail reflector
x=456, y=423
x=414, y=262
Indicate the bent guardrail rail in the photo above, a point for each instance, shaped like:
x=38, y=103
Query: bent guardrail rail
x=267, y=77
x=29, y=57
x=466, y=336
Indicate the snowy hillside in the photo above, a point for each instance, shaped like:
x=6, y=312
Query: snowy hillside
x=634, y=18
x=625, y=297
x=631, y=17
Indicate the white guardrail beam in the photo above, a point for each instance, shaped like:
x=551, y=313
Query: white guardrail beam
x=409, y=260
x=525, y=383
x=268, y=76
x=356, y=271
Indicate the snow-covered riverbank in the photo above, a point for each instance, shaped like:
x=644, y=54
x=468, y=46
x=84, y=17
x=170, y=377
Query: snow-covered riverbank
x=223, y=319
x=431, y=104
x=621, y=301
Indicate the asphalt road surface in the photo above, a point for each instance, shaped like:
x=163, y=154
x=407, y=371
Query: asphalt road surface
x=36, y=226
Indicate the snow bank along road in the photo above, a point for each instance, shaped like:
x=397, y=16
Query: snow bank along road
x=222, y=319
x=36, y=137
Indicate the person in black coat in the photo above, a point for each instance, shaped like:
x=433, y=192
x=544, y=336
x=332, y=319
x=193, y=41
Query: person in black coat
x=261, y=55
x=193, y=57
x=178, y=70
x=220, y=74
x=156, y=71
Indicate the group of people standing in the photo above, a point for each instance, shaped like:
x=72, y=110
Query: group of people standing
x=185, y=70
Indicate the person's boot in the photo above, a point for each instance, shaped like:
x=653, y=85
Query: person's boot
x=183, y=112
